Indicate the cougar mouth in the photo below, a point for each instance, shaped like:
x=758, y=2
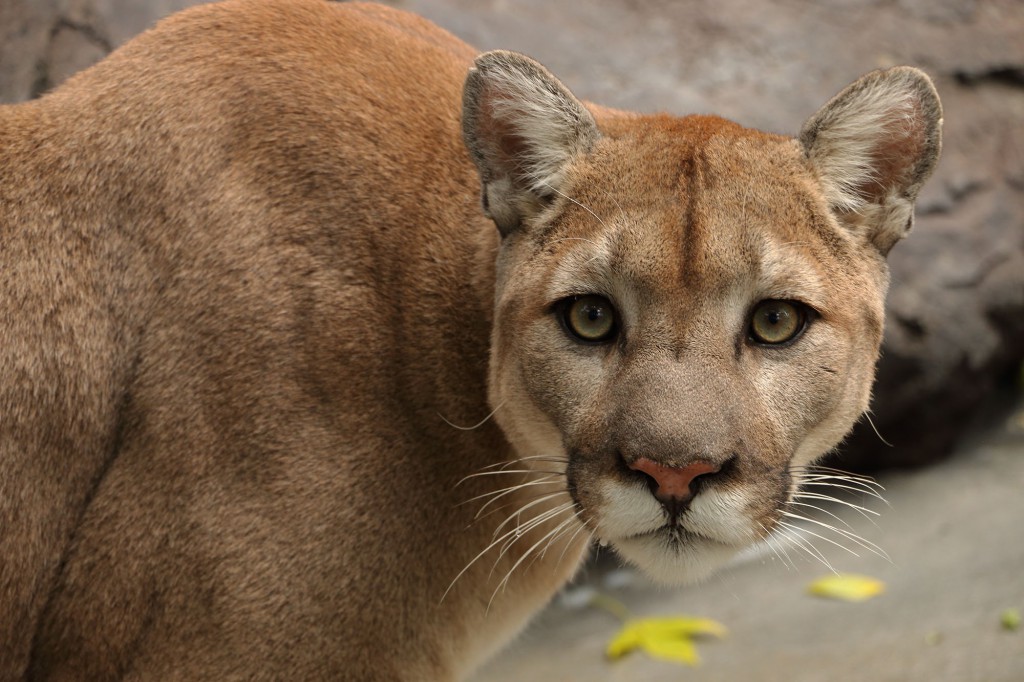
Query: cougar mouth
x=675, y=534
x=673, y=556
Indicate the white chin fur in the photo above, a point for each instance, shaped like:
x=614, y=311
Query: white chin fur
x=630, y=511
x=674, y=564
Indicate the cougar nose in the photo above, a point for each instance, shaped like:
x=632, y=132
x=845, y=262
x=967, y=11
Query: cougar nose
x=673, y=484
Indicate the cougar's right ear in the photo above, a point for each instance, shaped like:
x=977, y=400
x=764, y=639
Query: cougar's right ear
x=873, y=146
x=522, y=127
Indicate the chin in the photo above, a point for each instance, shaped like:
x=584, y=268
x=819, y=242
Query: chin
x=673, y=558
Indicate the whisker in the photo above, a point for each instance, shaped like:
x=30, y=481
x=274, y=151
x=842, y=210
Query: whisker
x=857, y=492
x=502, y=492
x=818, y=535
x=563, y=529
x=785, y=554
x=509, y=462
x=610, y=195
x=794, y=536
x=475, y=426
x=867, y=415
x=583, y=527
x=498, y=472
x=569, y=198
x=526, y=497
x=866, y=544
x=494, y=543
x=590, y=538
x=522, y=509
x=504, y=581
x=864, y=511
x=788, y=539
x=845, y=487
x=522, y=484
x=867, y=486
x=816, y=470
x=766, y=539
x=519, y=531
x=823, y=511
x=770, y=541
x=834, y=470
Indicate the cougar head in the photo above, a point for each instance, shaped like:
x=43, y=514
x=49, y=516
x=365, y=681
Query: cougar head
x=688, y=312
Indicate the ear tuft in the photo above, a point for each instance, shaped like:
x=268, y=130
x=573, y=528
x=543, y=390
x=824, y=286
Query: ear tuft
x=522, y=127
x=874, y=145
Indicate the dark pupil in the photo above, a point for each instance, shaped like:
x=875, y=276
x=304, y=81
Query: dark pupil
x=774, y=317
x=593, y=313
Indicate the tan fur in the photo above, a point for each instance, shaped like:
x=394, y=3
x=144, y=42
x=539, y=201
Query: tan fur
x=248, y=288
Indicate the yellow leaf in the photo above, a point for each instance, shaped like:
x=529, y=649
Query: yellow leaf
x=847, y=587
x=667, y=638
x=623, y=642
x=678, y=650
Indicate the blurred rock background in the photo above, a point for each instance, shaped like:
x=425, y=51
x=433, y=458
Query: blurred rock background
x=956, y=309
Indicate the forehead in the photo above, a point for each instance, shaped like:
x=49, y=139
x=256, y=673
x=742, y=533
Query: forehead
x=702, y=203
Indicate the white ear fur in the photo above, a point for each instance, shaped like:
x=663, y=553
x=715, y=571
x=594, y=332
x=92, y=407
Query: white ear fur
x=522, y=127
x=873, y=146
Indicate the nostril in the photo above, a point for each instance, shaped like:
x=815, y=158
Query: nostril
x=673, y=482
x=651, y=481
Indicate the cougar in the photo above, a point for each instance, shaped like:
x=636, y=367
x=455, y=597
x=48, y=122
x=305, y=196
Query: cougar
x=330, y=345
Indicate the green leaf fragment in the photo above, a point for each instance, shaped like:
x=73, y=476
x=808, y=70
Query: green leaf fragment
x=1010, y=619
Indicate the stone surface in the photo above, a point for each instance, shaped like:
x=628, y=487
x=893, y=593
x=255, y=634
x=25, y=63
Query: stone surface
x=956, y=324
x=42, y=42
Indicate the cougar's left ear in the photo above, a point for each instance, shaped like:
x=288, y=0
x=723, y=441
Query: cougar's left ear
x=873, y=146
x=522, y=127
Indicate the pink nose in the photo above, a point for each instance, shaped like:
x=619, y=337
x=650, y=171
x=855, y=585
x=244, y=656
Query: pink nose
x=673, y=482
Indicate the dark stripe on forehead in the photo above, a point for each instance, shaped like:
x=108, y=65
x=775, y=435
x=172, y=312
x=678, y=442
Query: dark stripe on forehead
x=691, y=238
x=719, y=245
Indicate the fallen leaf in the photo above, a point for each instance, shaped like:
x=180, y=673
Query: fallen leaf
x=1010, y=619
x=847, y=587
x=667, y=639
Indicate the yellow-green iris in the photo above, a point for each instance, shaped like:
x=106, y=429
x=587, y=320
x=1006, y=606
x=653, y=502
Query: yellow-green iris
x=591, y=318
x=775, y=322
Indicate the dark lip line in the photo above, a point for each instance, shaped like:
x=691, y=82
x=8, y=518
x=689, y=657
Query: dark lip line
x=674, y=530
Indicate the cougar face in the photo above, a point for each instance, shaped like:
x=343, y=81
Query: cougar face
x=684, y=339
x=688, y=312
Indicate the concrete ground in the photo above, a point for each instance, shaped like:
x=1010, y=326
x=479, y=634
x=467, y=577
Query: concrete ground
x=954, y=532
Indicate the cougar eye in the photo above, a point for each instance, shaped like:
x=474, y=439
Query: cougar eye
x=590, y=318
x=775, y=322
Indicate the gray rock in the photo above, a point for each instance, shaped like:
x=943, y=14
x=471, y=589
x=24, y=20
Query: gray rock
x=42, y=42
x=956, y=324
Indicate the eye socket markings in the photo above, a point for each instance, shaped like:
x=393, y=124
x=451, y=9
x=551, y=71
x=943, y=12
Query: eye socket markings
x=777, y=323
x=589, y=318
